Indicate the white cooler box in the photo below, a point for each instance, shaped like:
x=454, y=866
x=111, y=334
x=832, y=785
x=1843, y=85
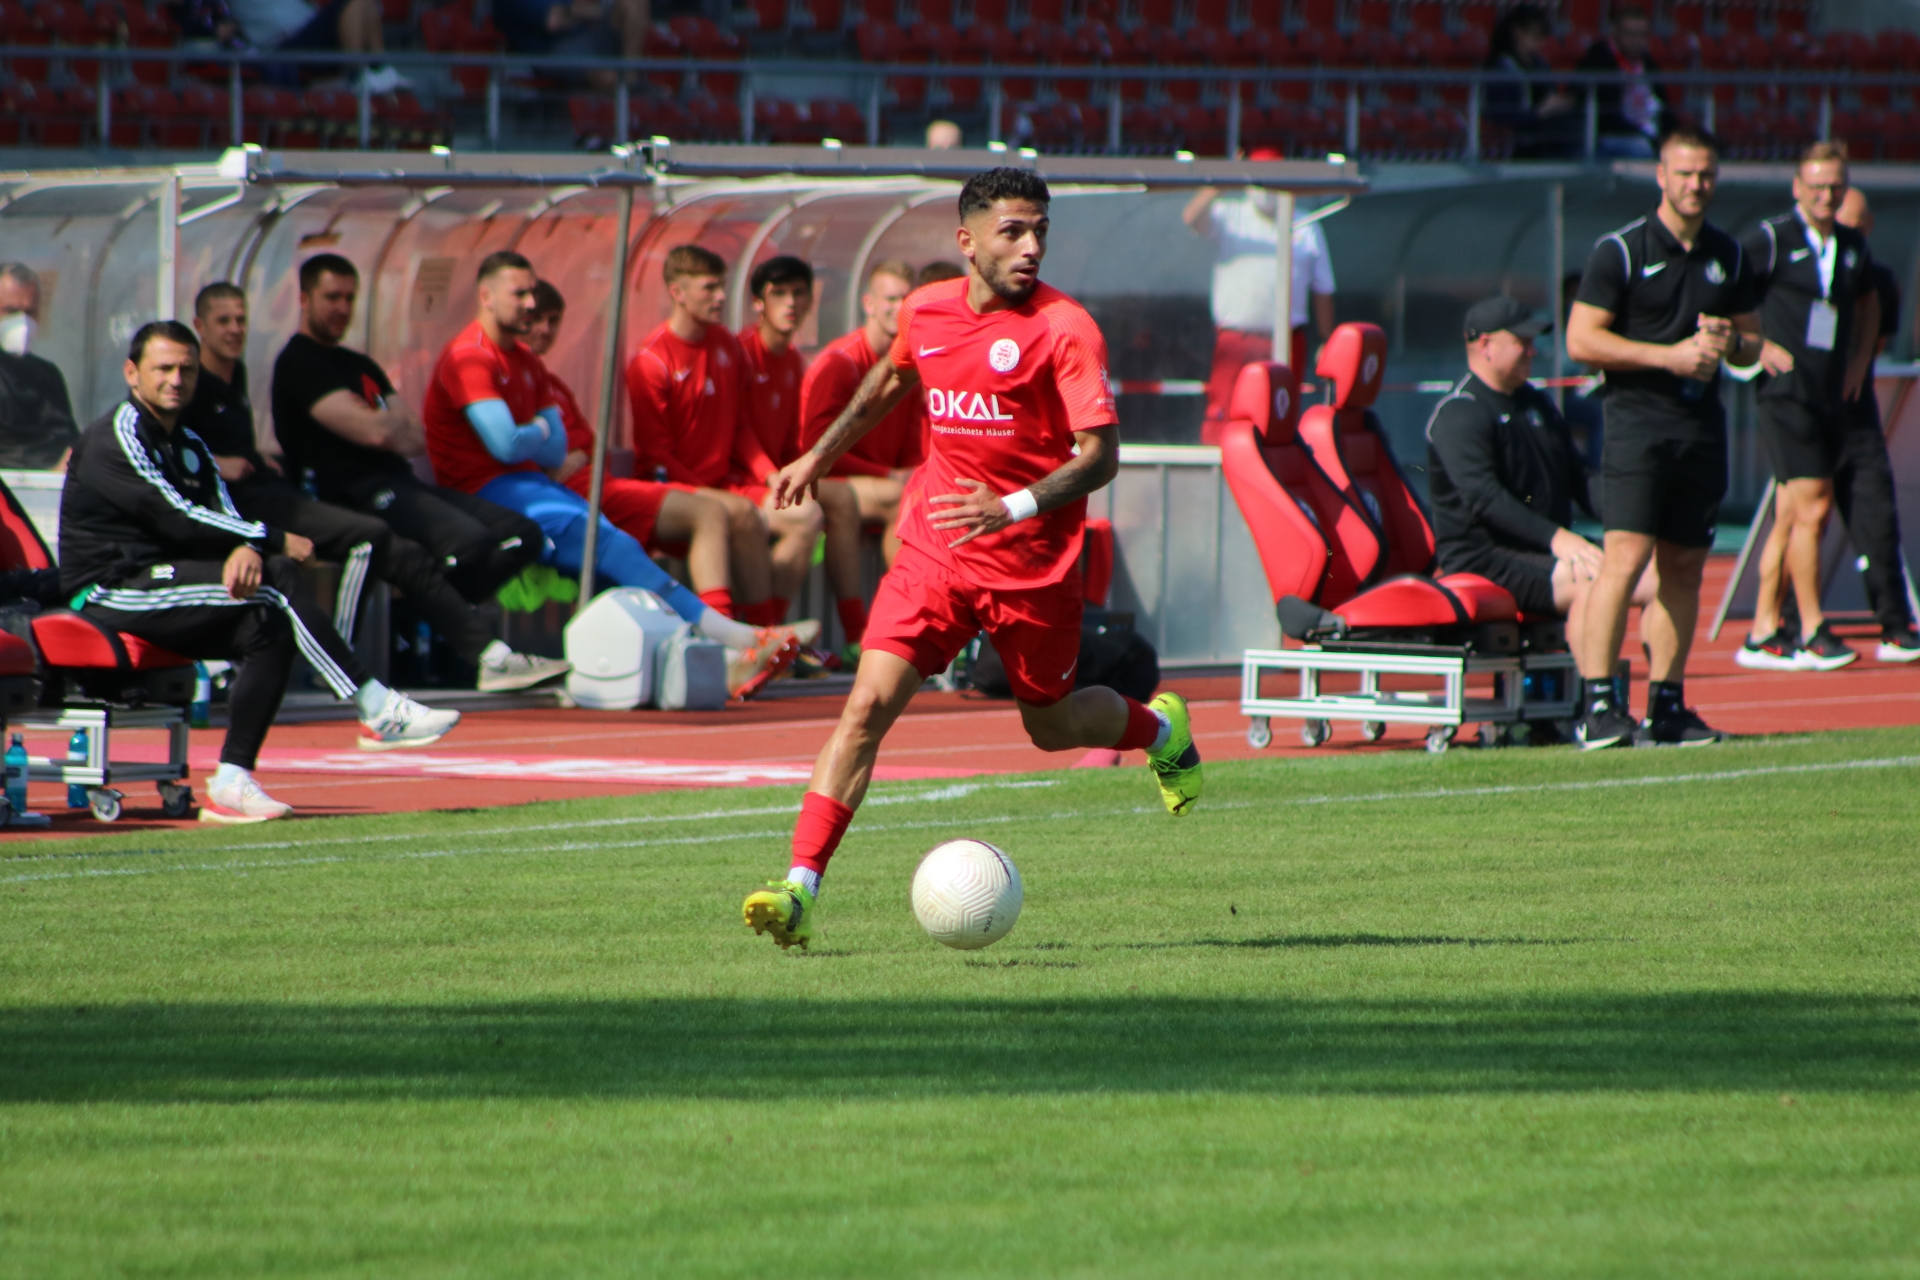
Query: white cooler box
x=628, y=649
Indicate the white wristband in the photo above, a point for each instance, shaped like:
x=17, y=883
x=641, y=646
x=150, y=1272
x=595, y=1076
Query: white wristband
x=1021, y=506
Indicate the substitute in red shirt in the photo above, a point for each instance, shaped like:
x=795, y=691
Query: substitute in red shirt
x=898, y=442
x=693, y=425
x=473, y=368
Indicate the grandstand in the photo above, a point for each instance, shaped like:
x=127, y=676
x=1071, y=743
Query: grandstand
x=1384, y=79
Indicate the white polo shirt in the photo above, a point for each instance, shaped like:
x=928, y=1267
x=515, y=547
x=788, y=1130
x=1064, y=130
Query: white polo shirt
x=1244, y=242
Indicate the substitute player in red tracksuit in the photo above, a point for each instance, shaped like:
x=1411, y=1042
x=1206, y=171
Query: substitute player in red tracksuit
x=873, y=473
x=671, y=518
x=782, y=291
x=1014, y=377
x=692, y=422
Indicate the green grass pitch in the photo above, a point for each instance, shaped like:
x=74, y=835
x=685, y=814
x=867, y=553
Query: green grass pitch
x=1493, y=1014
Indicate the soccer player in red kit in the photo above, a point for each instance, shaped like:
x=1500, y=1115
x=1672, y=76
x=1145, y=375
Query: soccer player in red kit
x=782, y=291
x=692, y=422
x=873, y=473
x=656, y=515
x=1015, y=380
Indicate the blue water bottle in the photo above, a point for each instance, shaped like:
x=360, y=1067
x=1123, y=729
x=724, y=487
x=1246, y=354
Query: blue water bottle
x=17, y=775
x=197, y=713
x=77, y=754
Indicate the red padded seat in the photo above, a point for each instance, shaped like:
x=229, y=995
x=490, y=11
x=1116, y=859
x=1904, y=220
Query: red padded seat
x=16, y=655
x=1323, y=552
x=74, y=640
x=1313, y=543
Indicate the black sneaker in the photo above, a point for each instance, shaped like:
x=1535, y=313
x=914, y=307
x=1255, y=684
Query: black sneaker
x=1824, y=651
x=1682, y=728
x=1608, y=728
x=1776, y=653
x=1898, y=646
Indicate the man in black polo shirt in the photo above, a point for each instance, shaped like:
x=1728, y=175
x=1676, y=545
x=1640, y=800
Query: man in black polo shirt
x=1503, y=474
x=1863, y=480
x=1819, y=312
x=363, y=546
x=341, y=426
x=1664, y=299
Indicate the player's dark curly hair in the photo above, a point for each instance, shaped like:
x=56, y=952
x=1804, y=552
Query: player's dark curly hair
x=983, y=189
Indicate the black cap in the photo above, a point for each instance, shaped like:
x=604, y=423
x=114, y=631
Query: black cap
x=1490, y=315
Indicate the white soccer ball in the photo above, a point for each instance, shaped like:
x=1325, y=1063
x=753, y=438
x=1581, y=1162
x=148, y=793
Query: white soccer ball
x=967, y=894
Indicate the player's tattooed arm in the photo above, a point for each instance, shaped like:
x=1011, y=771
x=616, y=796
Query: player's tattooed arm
x=885, y=386
x=980, y=511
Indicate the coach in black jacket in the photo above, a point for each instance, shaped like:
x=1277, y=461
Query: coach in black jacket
x=151, y=546
x=1504, y=475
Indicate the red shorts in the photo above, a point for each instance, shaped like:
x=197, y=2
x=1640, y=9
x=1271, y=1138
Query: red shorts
x=632, y=506
x=754, y=493
x=926, y=615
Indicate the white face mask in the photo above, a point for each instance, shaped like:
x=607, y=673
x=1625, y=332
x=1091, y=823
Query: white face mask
x=16, y=333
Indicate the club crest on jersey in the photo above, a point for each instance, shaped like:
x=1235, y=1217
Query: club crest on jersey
x=1003, y=355
x=1716, y=274
x=967, y=406
x=191, y=461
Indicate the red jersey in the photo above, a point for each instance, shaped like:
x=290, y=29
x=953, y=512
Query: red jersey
x=1005, y=391
x=773, y=397
x=579, y=430
x=473, y=368
x=898, y=442
x=690, y=411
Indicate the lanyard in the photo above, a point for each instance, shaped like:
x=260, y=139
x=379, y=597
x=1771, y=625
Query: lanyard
x=1824, y=253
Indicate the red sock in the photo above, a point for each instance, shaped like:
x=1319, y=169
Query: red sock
x=1143, y=726
x=770, y=612
x=853, y=617
x=720, y=600
x=823, y=820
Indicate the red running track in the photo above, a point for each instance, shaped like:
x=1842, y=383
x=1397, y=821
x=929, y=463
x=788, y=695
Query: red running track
x=514, y=757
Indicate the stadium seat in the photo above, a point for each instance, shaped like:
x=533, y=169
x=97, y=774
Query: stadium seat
x=1352, y=451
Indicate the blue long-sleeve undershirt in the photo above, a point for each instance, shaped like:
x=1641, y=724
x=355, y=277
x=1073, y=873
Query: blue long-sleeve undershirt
x=544, y=442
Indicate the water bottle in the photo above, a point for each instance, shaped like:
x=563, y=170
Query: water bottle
x=77, y=754
x=198, y=711
x=17, y=775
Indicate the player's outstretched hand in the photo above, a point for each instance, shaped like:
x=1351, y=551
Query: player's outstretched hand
x=979, y=511
x=792, y=484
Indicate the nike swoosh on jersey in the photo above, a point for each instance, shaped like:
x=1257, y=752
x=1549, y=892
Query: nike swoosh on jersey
x=1798, y=254
x=928, y=351
x=680, y=375
x=1652, y=269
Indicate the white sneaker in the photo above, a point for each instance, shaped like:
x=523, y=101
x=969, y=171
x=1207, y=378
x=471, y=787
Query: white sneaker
x=241, y=802
x=402, y=722
x=518, y=671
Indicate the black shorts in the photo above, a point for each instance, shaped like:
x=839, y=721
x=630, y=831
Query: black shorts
x=1802, y=442
x=1527, y=576
x=1665, y=488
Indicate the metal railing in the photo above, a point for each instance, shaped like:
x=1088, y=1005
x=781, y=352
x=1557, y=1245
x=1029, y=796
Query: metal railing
x=1230, y=85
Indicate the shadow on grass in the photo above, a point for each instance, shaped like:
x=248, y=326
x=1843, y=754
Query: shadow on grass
x=1321, y=941
x=164, y=1053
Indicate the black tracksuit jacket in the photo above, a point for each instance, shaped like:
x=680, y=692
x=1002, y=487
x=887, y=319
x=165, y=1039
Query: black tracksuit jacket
x=137, y=496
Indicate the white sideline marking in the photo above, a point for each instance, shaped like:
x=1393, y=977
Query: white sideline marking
x=1602, y=784
x=92, y=873
x=941, y=793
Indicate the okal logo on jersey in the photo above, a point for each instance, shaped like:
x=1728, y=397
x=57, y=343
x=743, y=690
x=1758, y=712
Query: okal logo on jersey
x=967, y=406
x=1282, y=402
x=1716, y=274
x=1003, y=355
x=1370, y=369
